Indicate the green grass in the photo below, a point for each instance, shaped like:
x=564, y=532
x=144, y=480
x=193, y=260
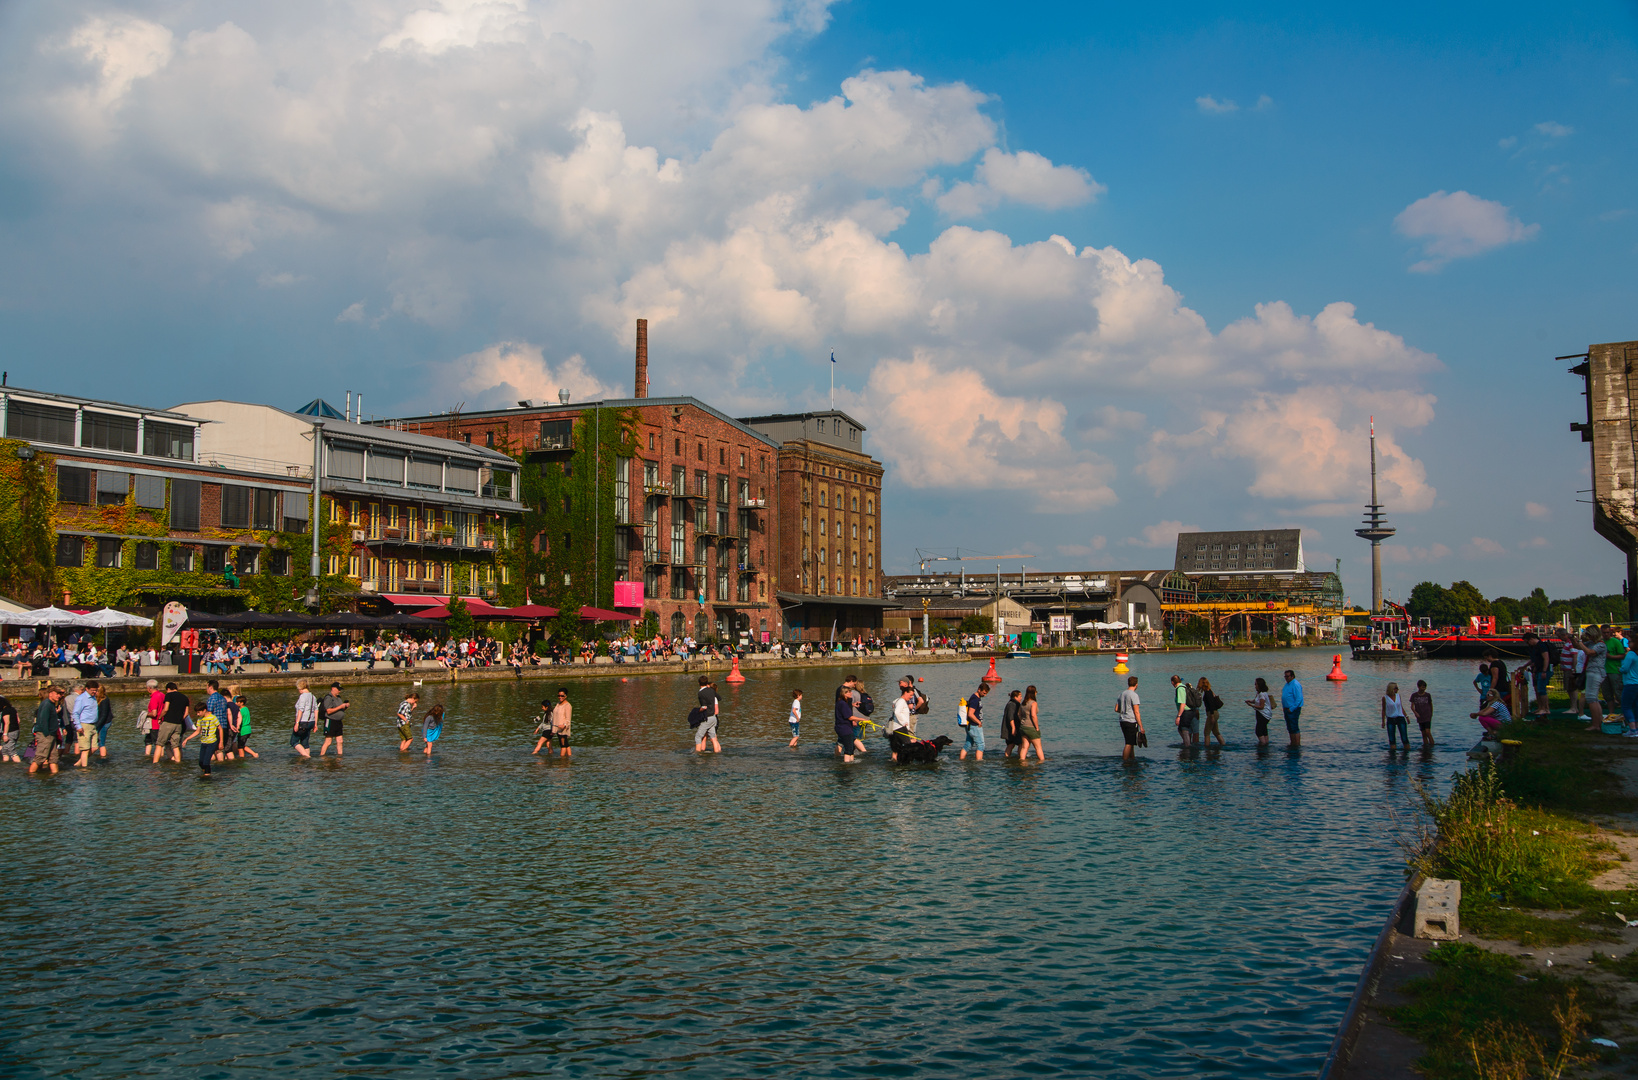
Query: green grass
x=1624, y=966
x=1483, y=1002
x=1487, y=919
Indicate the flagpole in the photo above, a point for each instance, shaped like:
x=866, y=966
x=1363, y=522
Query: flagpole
x=833, y=380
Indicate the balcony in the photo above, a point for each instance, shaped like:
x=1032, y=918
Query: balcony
x=657, y=490
x=747, y=502
x=550, y=443
x=656, y=558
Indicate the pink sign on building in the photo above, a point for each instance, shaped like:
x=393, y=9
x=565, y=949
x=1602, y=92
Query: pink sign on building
x=628, y=594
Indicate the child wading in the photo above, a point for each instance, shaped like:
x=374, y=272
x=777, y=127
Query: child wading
x=543, y=725
x=1393, y=716
x=432, y=727
x=242, y=743
x=406, y=717
x=1421, y=704
x=209, y=730
x=562, y=717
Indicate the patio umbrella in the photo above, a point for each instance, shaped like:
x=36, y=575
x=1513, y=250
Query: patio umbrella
x=108, y=617
x=46, y=616
x=605, y=615
x=532, y=611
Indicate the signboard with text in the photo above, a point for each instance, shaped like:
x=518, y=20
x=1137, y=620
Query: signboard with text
x=628, y=594
x=1060, y=623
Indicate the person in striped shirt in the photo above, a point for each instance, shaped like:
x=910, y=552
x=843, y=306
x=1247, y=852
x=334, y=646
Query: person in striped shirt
x=406, y=713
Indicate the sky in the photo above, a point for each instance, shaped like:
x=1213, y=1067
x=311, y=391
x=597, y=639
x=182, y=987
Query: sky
x=1092, y=274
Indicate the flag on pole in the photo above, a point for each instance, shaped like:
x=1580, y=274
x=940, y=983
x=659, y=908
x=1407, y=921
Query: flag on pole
x=833, y=356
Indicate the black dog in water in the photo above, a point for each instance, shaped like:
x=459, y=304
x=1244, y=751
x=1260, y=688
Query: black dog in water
x=907, y=749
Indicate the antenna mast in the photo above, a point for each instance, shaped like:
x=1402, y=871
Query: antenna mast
x=1376, y=529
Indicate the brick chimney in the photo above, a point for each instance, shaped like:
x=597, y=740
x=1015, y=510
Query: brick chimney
x=642, y=358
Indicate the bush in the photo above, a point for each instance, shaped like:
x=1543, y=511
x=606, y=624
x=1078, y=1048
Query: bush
x=977, y=624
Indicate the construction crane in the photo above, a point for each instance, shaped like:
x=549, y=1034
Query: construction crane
x=926, y=556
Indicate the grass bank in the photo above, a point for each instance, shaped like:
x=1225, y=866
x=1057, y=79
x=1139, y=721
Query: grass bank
x=1527, y=838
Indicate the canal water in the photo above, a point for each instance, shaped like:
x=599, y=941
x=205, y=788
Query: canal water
x=640, y=911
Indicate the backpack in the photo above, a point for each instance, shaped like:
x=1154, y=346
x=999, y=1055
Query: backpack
x=961, y=712
x=1192, y=696
x=924, y=706
x=867, y=704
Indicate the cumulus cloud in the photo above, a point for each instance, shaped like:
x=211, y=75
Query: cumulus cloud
x=1481, y=545
x=1537, y=511
x=1400, y=553
x=557, y=171
x=1554, y=130
x=1025, y=178
x=1457, y=225
x=1162, y=534
x=1213, y=107
x=1535, y=542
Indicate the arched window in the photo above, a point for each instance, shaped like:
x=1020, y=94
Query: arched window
x=701, y=625
x=870, y=560
x=676, y=624
x=870, y=506
x=821, y=526
x=822, y=497
x=870, y=587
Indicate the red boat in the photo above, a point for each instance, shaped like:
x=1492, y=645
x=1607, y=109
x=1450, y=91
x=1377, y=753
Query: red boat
x=1459, y=643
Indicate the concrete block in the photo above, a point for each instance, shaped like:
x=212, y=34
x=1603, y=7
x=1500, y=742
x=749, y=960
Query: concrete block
x=1438, y=906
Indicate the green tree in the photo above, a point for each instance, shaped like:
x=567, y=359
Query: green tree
x=460, y=619
x=1432, y=601
x=1468, y=600
x=977, y=624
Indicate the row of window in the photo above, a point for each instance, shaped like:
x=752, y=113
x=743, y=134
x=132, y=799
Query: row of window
x=399, y=469
x=819, y=556
x=1268, y=546
x=97, y=430
x=843, y=474
x=841, y=499
x=109, y=552
x=414, y=523
x=699, y=452
x=870, y=530
x=240, y=507
x=688, y=584
x=822, y=585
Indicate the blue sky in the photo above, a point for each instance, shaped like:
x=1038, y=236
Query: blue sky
x=1274, y=222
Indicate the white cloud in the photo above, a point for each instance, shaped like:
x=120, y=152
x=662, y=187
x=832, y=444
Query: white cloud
x=1213, y=107
x=1457, y=225
x=1083, y=551
x=1537, y=511
x=353, y=312
x=1023, y=177
x=1400, y=553
x=1536, y=542
x=1554, y=130
x=1111, y=422
x=1162, y=534
x=279, y=280
x=1481, y=545
x=1264, y=103
x=506, y=372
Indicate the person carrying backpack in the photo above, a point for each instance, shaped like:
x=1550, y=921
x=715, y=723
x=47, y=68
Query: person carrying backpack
x=1009, y=725
x=1189, y=700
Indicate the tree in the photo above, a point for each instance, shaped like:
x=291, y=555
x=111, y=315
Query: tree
x=460, y=619
x=1434, y=603
x=977, y=624
x=1468, y=600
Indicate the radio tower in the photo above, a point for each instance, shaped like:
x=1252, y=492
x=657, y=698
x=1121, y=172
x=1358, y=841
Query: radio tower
x=1376, y=530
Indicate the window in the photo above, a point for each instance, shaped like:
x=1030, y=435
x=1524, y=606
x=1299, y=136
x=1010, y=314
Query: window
x=264, y=511
x=236, y=506
x=386, y=468
x=112, y=487
x=622, y=490
x=699, y=452
x=744, y=591
x=181, y=559
x=462, y=479
x=426, y=474
x=679, y=552
x=73, y=486
x=167, y=440
x=215, y=560
x=489, y=439
x=295, y=513
x=870, y=533
x=185, y=505
x=278, y=562
x=676, y=447
x=870, y=506
x=39, y=423
x=70, y=551
x=106, y=431
x=556, y=434
x=679, y=582
x=744, y=492
x=742, y=459
x=854, y=534
x=870, y=560
x=821, y=526
x=345, y=462
x=499, y=486
x=147, y=556
x=679, y=480
x=722, y=455
x=651, y=441
x=244, y=560
x=702, y=484
x=150, y=492
x=821, y=427
x=761, y=463
x=722, y=488
x=821, y=550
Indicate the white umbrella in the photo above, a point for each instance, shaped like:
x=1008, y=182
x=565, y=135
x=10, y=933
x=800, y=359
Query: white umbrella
x=46, y=616
x=108, y=617
x=1115, y=626
x=1090, y=626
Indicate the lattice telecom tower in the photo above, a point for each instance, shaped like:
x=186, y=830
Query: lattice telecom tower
x=1376, y=530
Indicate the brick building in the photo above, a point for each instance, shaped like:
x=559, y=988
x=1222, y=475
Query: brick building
x=142, y=514
x=657, y=506
x=827, y=524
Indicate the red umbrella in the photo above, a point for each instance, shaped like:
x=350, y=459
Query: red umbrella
x=605, y=615
x=531, y=611
x=476, y=608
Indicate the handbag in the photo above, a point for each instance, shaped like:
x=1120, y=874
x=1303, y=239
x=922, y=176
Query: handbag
x=1143, y=737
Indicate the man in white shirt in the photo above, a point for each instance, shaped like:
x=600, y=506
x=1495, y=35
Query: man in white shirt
x=904, y=717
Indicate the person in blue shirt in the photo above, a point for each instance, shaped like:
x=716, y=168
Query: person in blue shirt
x=82, y=712
x=1291, y=702
x=216, y=703
x=1629, y=692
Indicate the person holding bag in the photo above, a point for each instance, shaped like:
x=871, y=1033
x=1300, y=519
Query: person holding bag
x=1213, y=705
x=1262, y=708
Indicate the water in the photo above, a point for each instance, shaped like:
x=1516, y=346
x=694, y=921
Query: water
x=769, y=912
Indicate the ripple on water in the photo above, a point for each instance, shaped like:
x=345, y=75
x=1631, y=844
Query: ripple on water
x=639, y=911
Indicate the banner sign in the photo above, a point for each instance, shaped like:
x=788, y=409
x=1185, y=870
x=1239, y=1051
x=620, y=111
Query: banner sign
x=1059, y=623
x=171, y=622
x=628, y=594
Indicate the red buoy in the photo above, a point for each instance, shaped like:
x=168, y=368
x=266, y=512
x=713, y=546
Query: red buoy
x=734, y=676
x=1336, y=669
x=992, y=676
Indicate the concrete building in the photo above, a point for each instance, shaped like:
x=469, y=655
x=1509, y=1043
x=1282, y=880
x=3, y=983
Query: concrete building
x=1612, y=437
x=142, y=514
x=426, y=516
x=826, y=524
x=1248, y=551
x=656, y=506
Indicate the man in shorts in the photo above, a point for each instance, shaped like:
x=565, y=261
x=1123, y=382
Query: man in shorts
x=47, y=719
x=1291, y=703
x=562, y=714
x=331, y=709
x=1129, y=710
x=1421, y=704
x=708, y=727
x=1541, y=671
x=82, y=711
x=155, y=710
x=173, y=723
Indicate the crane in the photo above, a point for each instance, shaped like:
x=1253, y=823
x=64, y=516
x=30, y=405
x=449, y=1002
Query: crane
x=926, y=556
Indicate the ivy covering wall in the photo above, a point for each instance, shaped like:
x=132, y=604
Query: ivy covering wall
x=27, y=542
x=570, y=502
